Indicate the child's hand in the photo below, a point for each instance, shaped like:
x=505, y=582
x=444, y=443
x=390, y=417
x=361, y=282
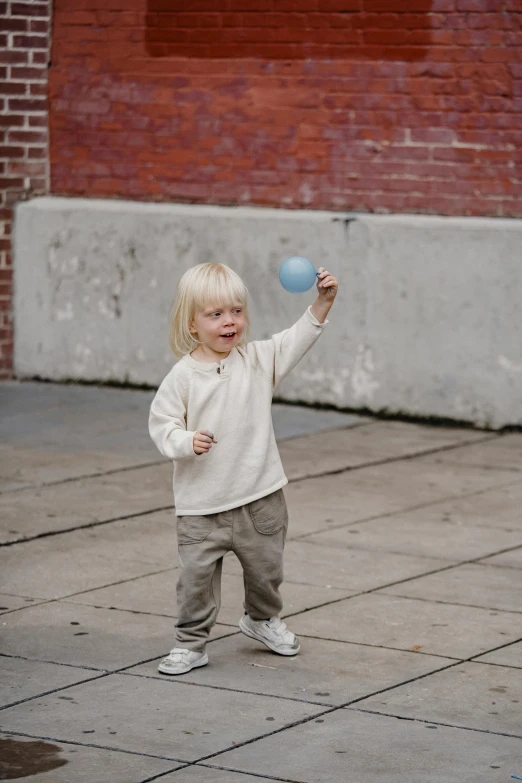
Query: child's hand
x=326, y=285
x=203, y=440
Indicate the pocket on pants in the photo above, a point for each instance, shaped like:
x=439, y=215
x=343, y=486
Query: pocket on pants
x=193, y=530
x=269, y=514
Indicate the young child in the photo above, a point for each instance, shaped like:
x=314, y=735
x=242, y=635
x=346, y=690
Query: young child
x=212, y=417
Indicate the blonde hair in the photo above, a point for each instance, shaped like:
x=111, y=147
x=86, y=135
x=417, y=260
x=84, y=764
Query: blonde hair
x=204, y=285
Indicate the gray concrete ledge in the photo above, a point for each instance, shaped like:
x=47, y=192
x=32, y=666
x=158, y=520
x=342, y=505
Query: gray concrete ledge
x=427, y=321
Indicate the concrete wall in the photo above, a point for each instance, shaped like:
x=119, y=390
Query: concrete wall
x=427, y=321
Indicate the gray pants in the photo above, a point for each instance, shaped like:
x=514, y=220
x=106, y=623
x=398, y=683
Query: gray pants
x=256, y=534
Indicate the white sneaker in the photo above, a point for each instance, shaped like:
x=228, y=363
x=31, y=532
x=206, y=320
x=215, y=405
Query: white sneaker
x=180, y=661
x=274, y=633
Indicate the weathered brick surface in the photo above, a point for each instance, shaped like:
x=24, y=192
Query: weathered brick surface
x=24, y=47
x=380, y=105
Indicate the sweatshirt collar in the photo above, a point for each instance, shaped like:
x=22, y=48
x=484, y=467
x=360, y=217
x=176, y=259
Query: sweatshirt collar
x=207, y=366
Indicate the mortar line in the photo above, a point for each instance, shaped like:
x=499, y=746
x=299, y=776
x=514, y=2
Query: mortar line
x=82, y=476
x=54, y=690
x=498, y=565
x=162, y=774
x=226, y=688
x=97, y=474
x=141, y=465
x=358, y=699
x=242, y=772
x=388, y=460
x=63, y=598
x=93, y=745
x=407, y=509
x=495, y=649
x=439, y=723
x=399, y=582
x=85, y=526
x=499, y=665
x=56, y=663
x=295, y=723
x=454, y=603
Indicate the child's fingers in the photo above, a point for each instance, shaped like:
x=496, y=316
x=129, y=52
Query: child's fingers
x=207, y=436
x=327, y=281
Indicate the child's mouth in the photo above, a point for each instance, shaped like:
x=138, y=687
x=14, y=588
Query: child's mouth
x=228, y=336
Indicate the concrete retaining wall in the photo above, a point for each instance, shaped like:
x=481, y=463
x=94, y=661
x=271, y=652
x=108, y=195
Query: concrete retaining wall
x=427, y=321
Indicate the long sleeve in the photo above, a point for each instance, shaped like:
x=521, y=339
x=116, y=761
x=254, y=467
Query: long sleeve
x=278, y=355
x=167, y=420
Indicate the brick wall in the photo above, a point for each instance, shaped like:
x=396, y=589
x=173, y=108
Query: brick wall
x=24, y=31
x=374, y=105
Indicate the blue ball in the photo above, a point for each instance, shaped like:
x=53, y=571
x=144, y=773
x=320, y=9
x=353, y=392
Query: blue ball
x=297, y=274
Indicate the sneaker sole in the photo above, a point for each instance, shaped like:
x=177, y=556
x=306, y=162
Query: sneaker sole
x=244, y=629
x=195, y=665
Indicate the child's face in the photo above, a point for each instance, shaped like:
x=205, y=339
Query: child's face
x=219, y=329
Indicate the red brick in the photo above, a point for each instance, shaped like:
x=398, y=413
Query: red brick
x=11, y=120
x=38, y=90
x=39, y=58
x=27, y=104
x=30, y=169
x=30, y=9
x=30, y=41
x=8, y=24
x=40, y=26
x=37, y=153
x=12, y=88
x=37, y=121
x=29, y=74
x=9, y=57
x=252, y=130
x=12, y=152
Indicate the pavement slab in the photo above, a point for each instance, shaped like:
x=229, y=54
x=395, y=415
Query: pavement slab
x=476, y=696
x=63, y=763
x=58, y=566
x=351, y=569
x=87, y=614
x=506, y=656
x=156, y=594
x=168, y=718
x=52, y=432
x=24, y=467
x=325, y=672
x=498, y=507
x=21, y=679
x=470, y=584
x=353, y=746
x=410, y=533
x=502, y=452
x=351, y=447
x=407, y=624
x=73, y=504
x=320, y=503
x=293, y=421
x=104, y=639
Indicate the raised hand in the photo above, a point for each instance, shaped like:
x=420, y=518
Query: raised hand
x=326, y=285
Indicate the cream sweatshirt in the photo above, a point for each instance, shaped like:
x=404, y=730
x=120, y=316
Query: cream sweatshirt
x=233, y=400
